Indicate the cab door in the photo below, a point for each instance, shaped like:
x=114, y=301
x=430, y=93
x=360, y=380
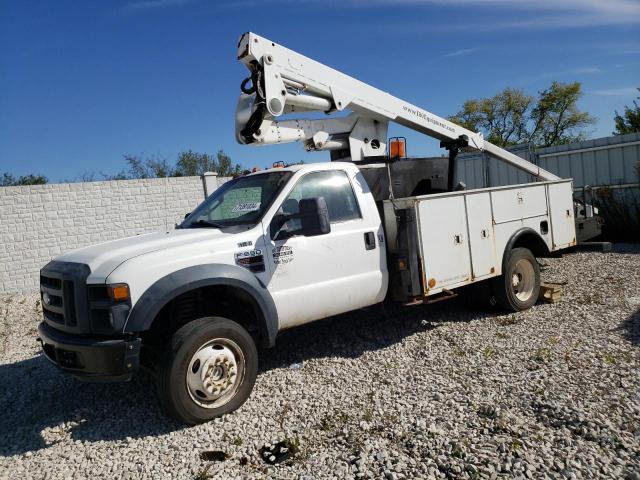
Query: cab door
x=316, y=277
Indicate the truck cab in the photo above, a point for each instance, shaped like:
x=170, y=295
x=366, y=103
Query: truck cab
x=267, y=251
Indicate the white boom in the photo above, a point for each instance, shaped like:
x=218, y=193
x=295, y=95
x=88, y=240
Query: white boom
x=283, y=81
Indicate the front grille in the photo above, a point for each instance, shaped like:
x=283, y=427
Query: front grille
x=54, y=316
x=55, y=300
x=70, y=302
x=52, y=294
x=63, y=293
x=49, y=282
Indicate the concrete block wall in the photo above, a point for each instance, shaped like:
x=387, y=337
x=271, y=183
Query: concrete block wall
x=39, y=222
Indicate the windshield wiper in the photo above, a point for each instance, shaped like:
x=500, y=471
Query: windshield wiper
x=206, y=224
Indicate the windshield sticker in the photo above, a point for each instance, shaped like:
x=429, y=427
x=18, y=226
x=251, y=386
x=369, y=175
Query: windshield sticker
x=246, y=207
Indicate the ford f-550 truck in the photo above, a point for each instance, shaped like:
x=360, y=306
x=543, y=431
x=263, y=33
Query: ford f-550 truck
x=289, y=245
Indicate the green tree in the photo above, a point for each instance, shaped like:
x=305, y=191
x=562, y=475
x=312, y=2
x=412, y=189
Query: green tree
x=8, y=180
x=192, y=163
x=556, y=117
x=502, y=118
x=151, y=167
x=189, y=163
x=629, y=122
x=512, y=117
x=226, y=168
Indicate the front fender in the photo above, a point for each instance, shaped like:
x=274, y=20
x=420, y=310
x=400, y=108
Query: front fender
x=181, y=281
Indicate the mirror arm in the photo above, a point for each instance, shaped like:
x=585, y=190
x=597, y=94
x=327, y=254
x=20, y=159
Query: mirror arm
x=282, y=218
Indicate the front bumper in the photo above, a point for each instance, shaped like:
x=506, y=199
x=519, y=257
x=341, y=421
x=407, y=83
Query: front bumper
x=96, y=359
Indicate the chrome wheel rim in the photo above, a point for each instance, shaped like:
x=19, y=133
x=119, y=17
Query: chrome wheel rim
x=523, y=279
x=215, y=372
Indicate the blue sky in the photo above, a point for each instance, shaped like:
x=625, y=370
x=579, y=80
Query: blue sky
x=84, y=82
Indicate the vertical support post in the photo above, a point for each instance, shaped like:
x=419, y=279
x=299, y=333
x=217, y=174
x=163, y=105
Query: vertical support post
x=453, y=153
x=166, y=194
x=454, y=147
x=209, y=183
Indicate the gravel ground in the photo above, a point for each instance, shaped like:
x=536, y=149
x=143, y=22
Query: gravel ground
x=432, y=392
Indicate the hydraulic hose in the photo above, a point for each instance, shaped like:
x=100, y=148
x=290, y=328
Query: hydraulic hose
x=243, y=86
x=257, y=86
x=253, y=125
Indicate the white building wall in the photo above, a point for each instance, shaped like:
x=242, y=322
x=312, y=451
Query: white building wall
x=39, y=222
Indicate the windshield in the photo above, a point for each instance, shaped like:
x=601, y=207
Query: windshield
x=241, y=201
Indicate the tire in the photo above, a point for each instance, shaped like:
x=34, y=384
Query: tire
x=518, y=287
x=208, y=369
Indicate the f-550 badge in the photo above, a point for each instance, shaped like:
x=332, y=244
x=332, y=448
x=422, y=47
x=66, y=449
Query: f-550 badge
x=249, y=253
x=251, y=259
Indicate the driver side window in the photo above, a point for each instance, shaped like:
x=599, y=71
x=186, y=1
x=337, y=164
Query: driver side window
x=333, y=185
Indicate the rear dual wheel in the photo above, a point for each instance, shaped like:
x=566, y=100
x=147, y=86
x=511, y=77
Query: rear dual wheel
x=518, y=287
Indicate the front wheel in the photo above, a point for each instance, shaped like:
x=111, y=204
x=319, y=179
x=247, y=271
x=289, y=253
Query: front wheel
x=519, y=286
x=208, y=370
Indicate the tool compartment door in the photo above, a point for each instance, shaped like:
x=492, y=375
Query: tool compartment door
x=481, y=235
x=519, y=202
x=563, y=226
x=442, y=225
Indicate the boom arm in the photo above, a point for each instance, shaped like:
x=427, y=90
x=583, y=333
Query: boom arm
x=284, y=81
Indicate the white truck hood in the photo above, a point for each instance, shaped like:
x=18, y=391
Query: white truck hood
x=104, y=258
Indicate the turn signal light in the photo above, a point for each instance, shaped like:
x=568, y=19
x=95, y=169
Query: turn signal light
x=397, y=147
x=118, y=291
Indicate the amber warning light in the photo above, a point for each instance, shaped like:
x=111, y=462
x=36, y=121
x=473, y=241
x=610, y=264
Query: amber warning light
x=397, y=147
x=118, y=291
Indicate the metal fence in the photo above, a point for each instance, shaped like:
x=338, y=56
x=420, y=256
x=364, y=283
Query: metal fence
x=600, y=162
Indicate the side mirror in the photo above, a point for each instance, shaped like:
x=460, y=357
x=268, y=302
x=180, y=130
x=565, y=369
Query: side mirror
x=187, y=214
x=314, y=217
x=278, y=221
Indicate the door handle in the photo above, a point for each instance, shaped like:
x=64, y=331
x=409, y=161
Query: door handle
x=369, y=240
